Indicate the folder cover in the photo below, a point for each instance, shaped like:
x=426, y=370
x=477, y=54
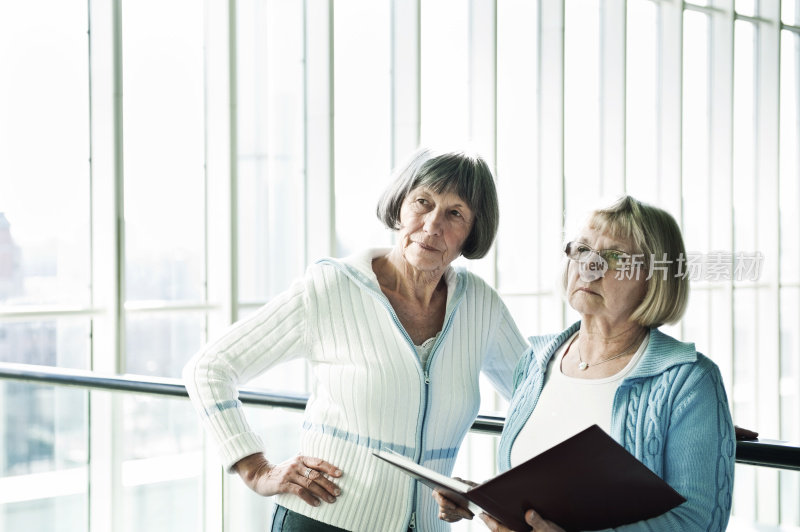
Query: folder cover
x=586, y=482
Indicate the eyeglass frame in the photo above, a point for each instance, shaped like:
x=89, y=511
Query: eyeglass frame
x=620, y=264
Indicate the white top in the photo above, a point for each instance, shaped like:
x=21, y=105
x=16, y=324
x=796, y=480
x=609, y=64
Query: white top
x=424, y=350
x=568, y=405
x=369, y=390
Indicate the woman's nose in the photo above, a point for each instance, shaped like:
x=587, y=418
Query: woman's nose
x=433, y=222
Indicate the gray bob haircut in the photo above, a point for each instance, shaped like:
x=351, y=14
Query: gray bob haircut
x=466, y=175
x=655, y=234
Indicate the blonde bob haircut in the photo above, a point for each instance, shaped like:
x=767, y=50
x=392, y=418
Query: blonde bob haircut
x=655, y=234
x=466, y=174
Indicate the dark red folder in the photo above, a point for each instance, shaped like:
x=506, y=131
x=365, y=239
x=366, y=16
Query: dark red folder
x=587, y=482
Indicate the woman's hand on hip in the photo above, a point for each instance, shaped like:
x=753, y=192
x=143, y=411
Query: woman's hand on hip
x=538, y=524
x=303, y=476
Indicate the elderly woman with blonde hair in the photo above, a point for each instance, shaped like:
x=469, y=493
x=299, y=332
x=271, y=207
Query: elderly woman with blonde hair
x=624, y=273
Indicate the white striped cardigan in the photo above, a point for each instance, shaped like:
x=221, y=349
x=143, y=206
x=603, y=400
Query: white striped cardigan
x=369, y=390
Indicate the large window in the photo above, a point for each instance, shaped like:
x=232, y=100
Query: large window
x=168, y=167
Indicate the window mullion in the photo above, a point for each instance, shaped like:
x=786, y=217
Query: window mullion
x=482, y=75
x=613, y=36
x=405, y=78
x=550, y=197
x=320, y=206
x=105, y=429
x=221, y=175
x=720, y=211
x=670, y=106
x=767, y=204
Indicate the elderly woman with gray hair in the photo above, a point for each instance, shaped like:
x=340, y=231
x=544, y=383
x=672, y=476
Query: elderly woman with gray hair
x=625, y=274
x=396, y=339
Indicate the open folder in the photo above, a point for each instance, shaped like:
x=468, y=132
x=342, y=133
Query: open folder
x=587, y=482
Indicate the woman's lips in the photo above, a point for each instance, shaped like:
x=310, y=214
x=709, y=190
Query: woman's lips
x=588, y=291
x=426, y=247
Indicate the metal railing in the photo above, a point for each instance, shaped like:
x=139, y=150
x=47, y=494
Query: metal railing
x=765, y=453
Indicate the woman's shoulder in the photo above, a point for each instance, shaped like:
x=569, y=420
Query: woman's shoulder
x=356, y=267
x=676, y=362
x=546, y=344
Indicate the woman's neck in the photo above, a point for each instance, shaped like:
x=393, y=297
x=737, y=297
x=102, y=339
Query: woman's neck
x=599, y=341
x=396, y=275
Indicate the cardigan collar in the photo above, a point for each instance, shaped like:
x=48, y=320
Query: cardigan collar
x=358, y=267
x=662, y=352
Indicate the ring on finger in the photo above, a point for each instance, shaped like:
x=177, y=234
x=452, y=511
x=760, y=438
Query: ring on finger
x=307, y=473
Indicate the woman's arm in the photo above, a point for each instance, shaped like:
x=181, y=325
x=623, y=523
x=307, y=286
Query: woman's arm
x=275, y=333
x=505, y=349
x=699, y=458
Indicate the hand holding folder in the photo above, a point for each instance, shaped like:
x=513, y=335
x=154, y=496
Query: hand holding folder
x=586, y=482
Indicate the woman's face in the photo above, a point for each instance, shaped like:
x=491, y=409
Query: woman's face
x=611, y=297
x=433, y=228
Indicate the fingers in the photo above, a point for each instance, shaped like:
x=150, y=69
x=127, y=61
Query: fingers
x=493, y=525
x=300, y=476
x=448, y=510
x=321, y=465
x=745, y=434
x=540, y=524
x=313, y=484
x=465, y=481
x=314, y=471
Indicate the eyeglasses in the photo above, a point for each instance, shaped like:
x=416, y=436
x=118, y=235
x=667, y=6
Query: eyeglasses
x=615, y=259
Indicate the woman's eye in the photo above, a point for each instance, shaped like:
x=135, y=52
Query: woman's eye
x=455, y=213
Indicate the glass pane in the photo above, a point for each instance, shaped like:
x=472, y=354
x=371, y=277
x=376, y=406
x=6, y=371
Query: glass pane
x=790, y=364
x=62, y=514
x=744, y=363
x=44, y=463
x=642, y=100
x=742, y=396
x=162, y=468
x=790, y=157
x=696, y=128
x=444, y=34
x=744, y=141
x=160, y=344
x=44, y=153
x=790, y=494
x=518, y=245
x=696, y=321
x=582, y=158
x=746, y=7
x=63, y=342
x=270, y=123
x=362, y=89
x=744, y=496
x=790, y=257
x=163, y=149
x=790, y=12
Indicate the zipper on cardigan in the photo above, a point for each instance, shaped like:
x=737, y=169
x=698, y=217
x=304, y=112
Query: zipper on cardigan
x=425, y=370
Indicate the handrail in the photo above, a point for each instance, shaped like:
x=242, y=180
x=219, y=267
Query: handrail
x=764, y=453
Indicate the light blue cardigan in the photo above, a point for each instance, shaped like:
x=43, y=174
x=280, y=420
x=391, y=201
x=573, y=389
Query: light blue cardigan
x=671, y=413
